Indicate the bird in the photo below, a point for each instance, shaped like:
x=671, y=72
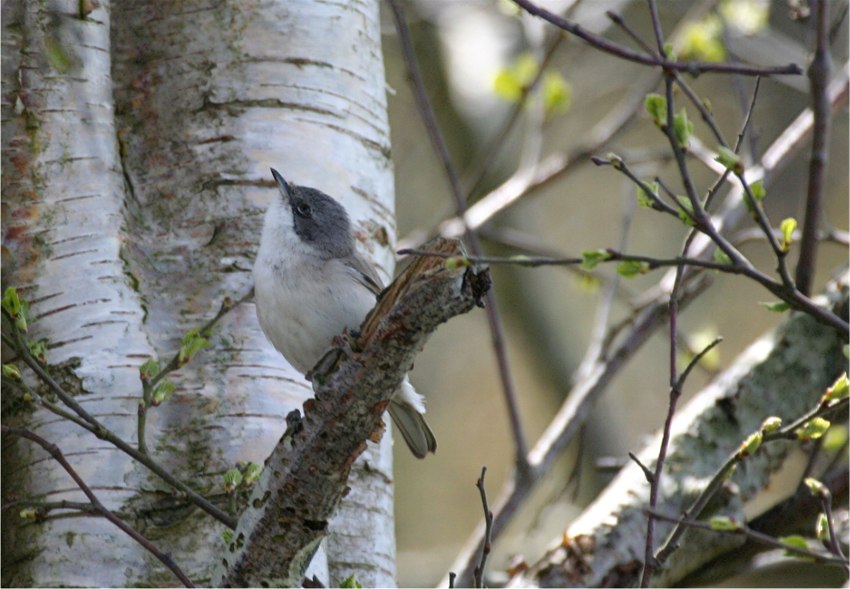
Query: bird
x=311, y=284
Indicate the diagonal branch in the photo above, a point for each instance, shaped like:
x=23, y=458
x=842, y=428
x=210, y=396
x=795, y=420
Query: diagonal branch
x=305, y=477
x=623, y=52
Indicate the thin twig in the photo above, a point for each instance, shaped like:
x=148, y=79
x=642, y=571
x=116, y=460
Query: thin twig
x=834, y=543
x=612, y=256
x=676, y=382
x=493, y=317
x=148, y=386
x=692, y=67
x=753, y=535
x=57, y=455
x=787, y=432
x=818, y=80
x=572, y=415
x=648, y=317
x=478, y=576
x=102, y=432
x=597, y=346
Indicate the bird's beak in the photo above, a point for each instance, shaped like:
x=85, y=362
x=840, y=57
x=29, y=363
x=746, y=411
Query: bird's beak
x=285, y=190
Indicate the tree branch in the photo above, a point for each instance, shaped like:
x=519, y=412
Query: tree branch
x=305, y=477
x=692, y=67
x=783, y=375
x=818, y=79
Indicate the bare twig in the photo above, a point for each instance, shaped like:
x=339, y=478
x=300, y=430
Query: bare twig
x=57, y=455
x=753, y=535
x=612, y=256
x=694, y=68
x=478, y=576
x=493, y=317
x=834, y=542
x=818, y=80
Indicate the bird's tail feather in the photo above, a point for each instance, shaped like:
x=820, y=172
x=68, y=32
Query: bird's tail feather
x=413, y=427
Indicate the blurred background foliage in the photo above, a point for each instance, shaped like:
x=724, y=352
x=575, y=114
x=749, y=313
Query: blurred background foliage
x=477, y=57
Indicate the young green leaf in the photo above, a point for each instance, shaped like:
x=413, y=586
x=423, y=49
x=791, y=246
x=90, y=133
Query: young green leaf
x=683, y=128
x=758, y=190
x=591, y=258
x=11, y=302
x=29, y=514
x=350, y=583
x=816, y=488
x=631, y=268
x=721, y=257
x=656, y=106
x=557, y=93
x=512, y=81
x=232, y=479
x=771, y=424
x=456, y=262
x=644, y=198
x=724, y=523
x=148, y=370
x=11, y=371
x=751, y=445
x=794, y=541
x=729, y=159
x=251, y=473
x=686, y=211
x=835, y=438
x=822, y=528
x=776, y=307
x=227, y=536
x=839, y=389
x=162, y=392
x=787, y=228
x=192, y=343
x=813, y=429
x=38, y=350
x=703, y=39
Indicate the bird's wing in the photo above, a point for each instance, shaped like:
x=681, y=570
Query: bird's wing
x=365, y=274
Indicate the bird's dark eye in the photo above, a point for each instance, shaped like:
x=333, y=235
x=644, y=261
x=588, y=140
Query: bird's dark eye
x=302, y=209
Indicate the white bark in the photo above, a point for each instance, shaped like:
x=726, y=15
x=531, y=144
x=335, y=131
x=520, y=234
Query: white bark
x=208, y=96
x=63, y=186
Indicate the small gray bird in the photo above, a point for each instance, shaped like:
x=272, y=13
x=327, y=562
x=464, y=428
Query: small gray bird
x=310, y=284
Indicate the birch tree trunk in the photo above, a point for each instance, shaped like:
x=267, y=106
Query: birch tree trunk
x=137, y=140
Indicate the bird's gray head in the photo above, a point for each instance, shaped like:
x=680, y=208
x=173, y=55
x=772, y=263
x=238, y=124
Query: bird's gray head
x=320, y=222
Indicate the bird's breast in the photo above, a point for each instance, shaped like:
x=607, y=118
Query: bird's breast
x=301, y=309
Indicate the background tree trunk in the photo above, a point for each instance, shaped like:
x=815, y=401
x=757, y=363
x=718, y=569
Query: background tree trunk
x=133, y=222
